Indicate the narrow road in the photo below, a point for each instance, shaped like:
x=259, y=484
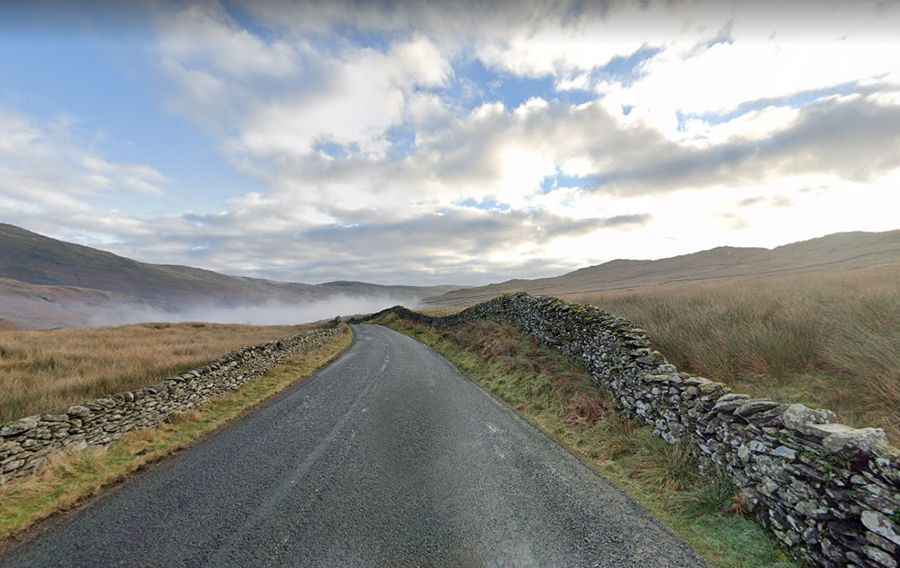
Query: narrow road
x=386, y=458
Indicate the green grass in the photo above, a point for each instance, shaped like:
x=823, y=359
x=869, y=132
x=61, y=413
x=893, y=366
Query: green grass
x=73, y=477
x=557, y=396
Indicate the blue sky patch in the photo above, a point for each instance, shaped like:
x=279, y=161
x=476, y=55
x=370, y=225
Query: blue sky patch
x=561, y=180
x=486, y=204
x=796, y=100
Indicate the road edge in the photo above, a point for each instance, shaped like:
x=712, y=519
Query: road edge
x=142, y=450
x=615, y=479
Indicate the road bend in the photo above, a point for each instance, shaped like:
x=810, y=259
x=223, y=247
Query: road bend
x=388, y=457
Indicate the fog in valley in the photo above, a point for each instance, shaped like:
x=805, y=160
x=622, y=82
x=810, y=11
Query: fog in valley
x=272, y=313
x=52, y=314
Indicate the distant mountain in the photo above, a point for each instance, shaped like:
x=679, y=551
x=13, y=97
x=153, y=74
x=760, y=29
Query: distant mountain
x=839, y=251
x=32, y=306
x=366, y=288
x=47, y=282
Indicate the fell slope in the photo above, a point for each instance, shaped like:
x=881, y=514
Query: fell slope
x=35, y=259
x=45, y=282
x=33, y=306
x=839, y=251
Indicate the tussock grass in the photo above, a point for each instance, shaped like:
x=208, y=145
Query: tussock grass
x=440, y=311
x=829, y=340
x=70, y=478
x=46, y=371
x=557, y=396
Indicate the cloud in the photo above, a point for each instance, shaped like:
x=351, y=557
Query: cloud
x=446, y=245
x=806, y=48
x=202, y=35
x=46, y=169
x=333, y=135
x=776, y=201
x=735, y=221
x=626, y=220
x=133, y=177
x=580, y=81
x=293, y=97
x=464, y=232
x=365, y=94
x=419, y=142
x=531, y=38
x=272, y=313
x=854, y=138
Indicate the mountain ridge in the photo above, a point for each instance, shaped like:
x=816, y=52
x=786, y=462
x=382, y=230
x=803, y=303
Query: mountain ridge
x=845, y=250
x=46, y=282
x=50, y=282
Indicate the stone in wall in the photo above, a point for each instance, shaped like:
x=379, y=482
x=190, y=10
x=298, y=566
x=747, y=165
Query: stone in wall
x=26, y=443
x=829, y=493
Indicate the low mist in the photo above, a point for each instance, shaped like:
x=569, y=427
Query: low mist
x=272, y=313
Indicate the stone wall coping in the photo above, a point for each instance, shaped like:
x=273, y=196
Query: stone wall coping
x=26, y=442
x=828, y=492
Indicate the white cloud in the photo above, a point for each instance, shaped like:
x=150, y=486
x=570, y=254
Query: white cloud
x=134, y=177
x=505, y=155
x=761, y=58
x=575, y=82
x=344, y=95
x=391, y=159
x=752, y=125
x=487, y=110
x=54, y=172
x=419, y=62
x=427, y=110
x=365, y=94
x=202, y=35
x=532, y=105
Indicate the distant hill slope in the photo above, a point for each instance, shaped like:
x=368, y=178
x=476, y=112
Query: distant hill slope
x=33, y=306
x=367, y=288
x=47, y=280
x=832, y=252
x=35, y=259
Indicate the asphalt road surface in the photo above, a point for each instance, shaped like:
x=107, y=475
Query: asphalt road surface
x=386, y=458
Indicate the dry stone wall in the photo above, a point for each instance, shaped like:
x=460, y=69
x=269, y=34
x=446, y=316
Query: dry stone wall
x=26, y=443
x=828, y=492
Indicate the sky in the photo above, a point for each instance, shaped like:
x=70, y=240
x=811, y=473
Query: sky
x=446, y=143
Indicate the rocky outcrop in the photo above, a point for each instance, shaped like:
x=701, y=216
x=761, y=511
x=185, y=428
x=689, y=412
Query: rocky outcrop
x=829, y=493
x=26, y=443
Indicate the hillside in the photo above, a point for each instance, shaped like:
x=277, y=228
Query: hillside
x=368, y=289
x=33, y=306
x=839, y=251
x=46, y=282
x=35, y=259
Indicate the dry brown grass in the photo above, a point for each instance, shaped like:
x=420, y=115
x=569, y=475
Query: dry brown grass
x=830, y=340
x=45, y=371
x=557, y=396
x=441, y=311
x=71, y=477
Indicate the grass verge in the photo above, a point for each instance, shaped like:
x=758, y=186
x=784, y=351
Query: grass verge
x=71, y=478
x=557, y=396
